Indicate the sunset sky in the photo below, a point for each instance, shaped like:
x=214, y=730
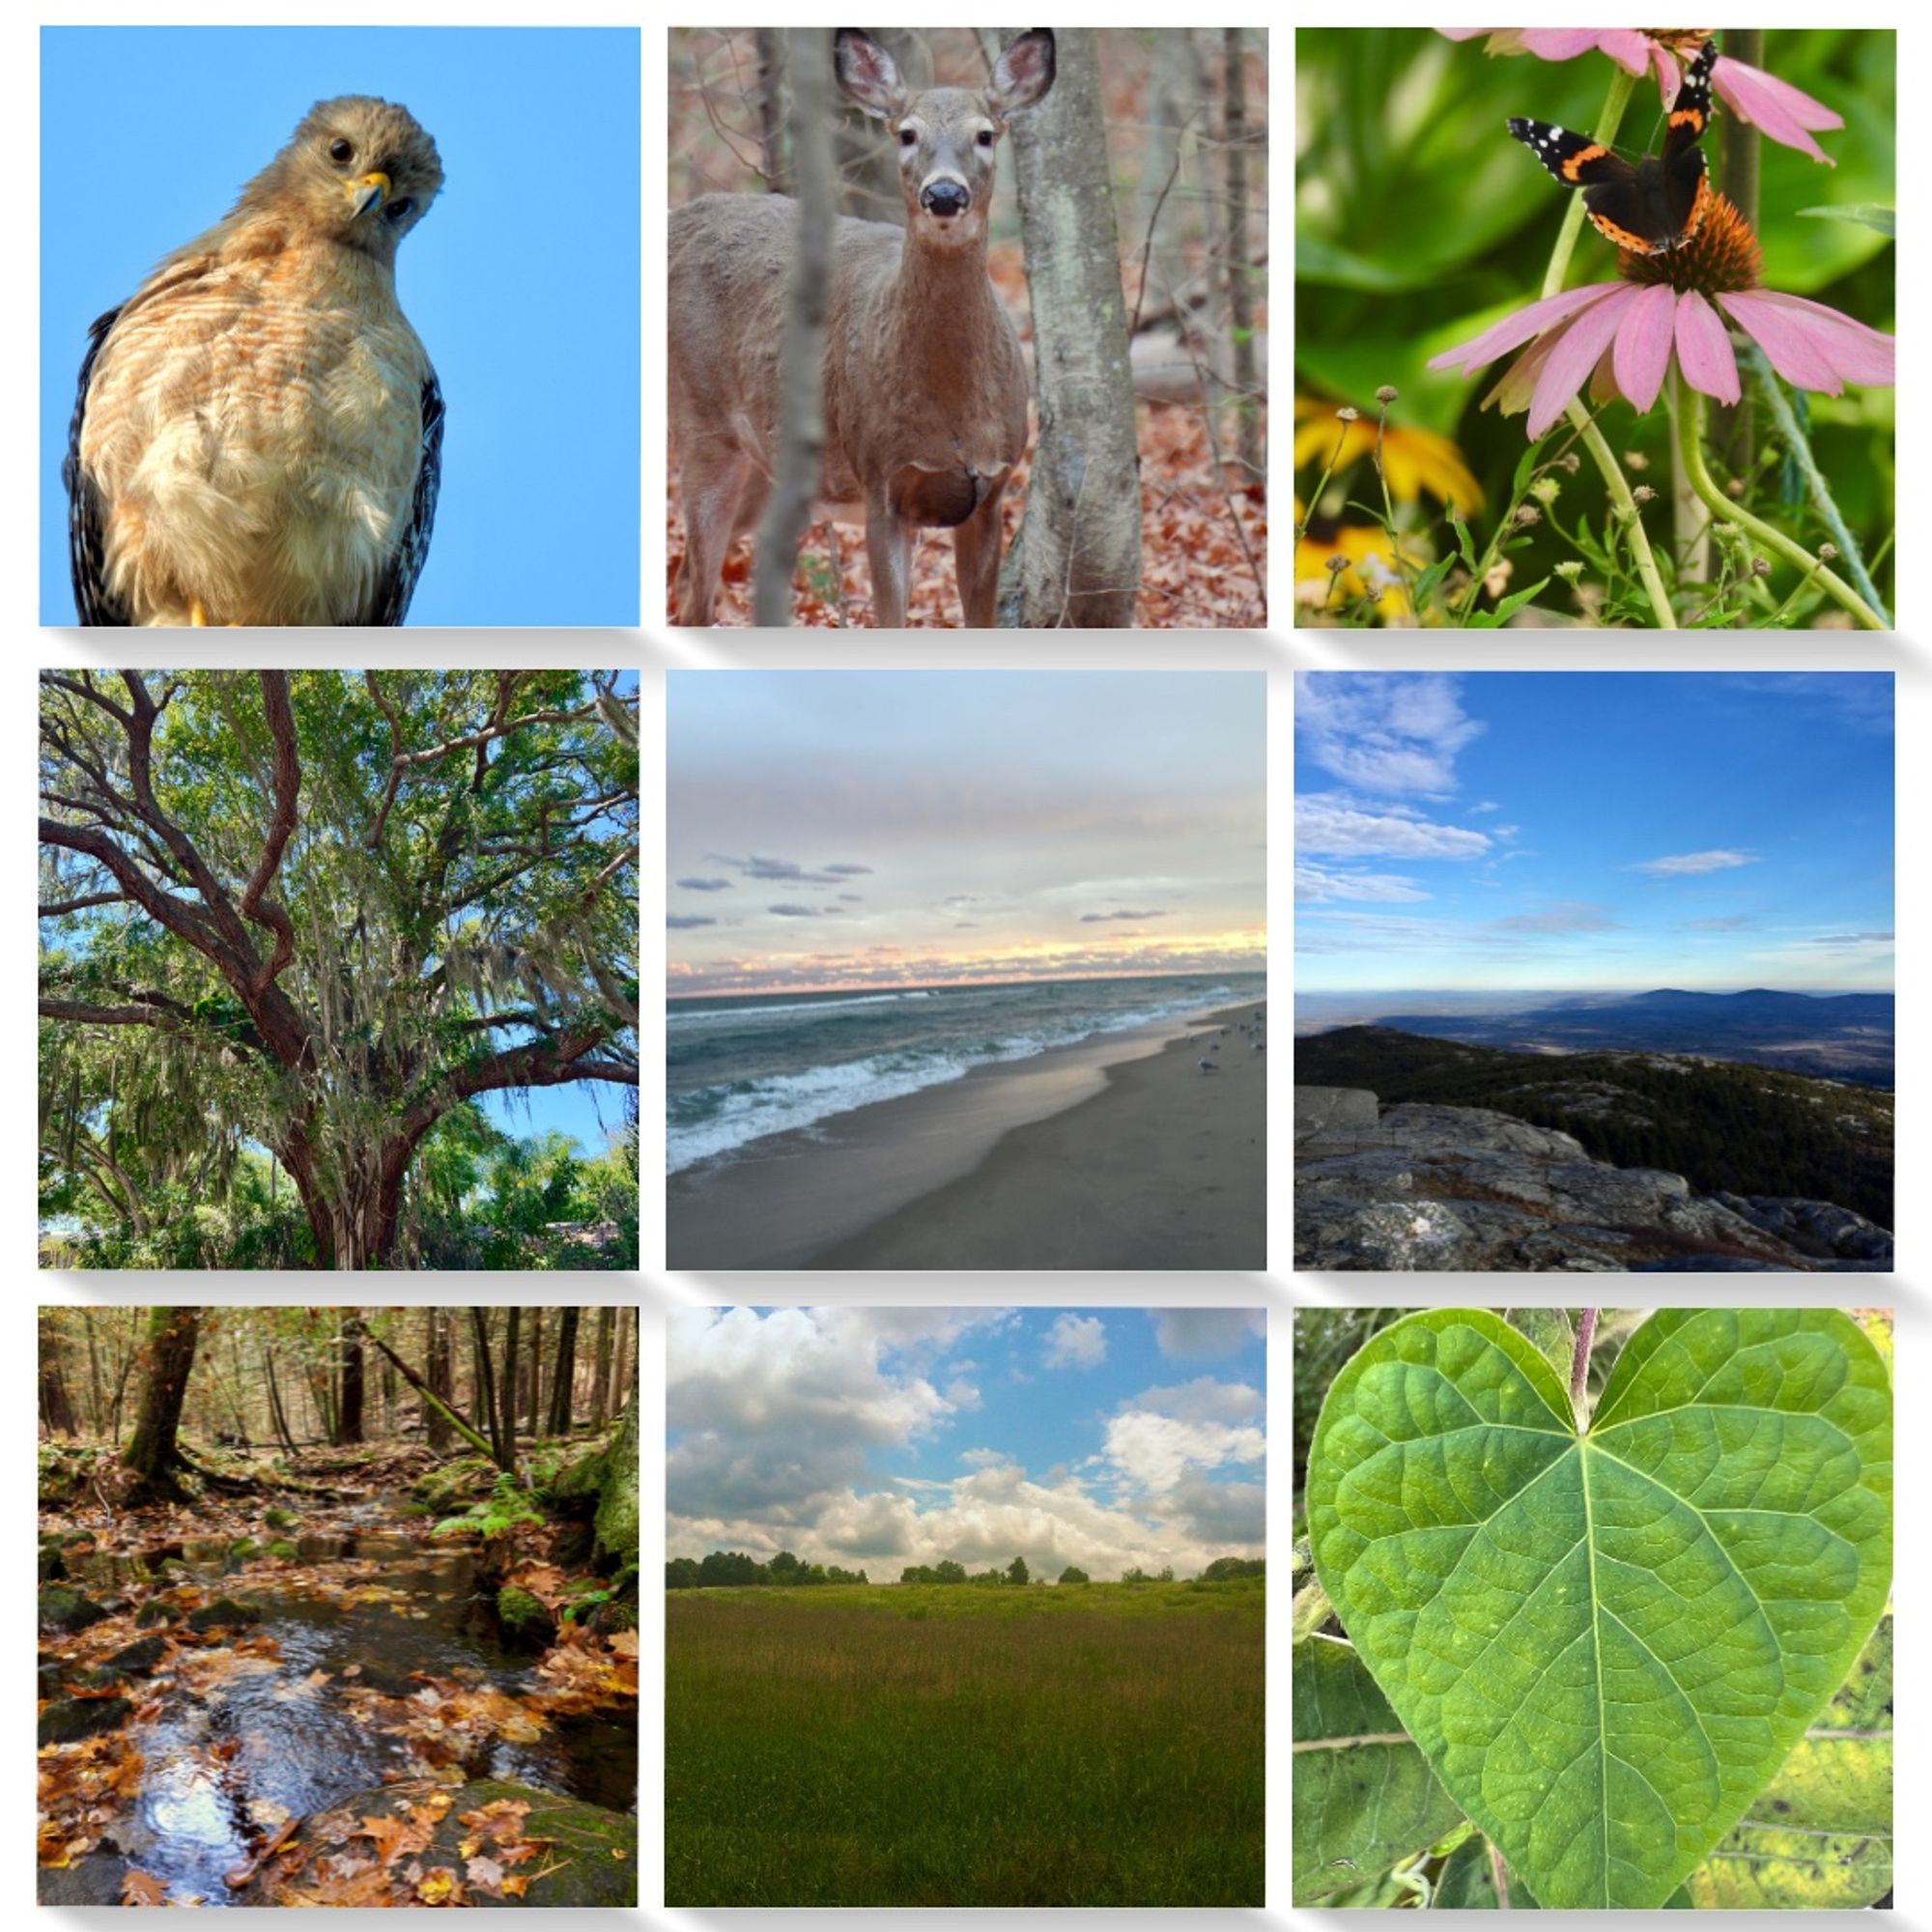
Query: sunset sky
x=1576, y=830
x=855, y=827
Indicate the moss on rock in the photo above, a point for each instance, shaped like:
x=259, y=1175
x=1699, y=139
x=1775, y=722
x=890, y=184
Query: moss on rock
x=63, y=1608
x=525, y=1621
x=72, y=1718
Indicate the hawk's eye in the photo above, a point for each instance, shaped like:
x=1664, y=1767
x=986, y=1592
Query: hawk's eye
x=908, y=137
x=341, y=151
x=397, y=210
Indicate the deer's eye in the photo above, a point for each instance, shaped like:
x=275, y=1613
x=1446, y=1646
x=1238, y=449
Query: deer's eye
x=908, y=137
x=985, y=137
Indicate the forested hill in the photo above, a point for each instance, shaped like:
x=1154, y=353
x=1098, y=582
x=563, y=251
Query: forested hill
x=1723, y=1126
x=1835, y=1037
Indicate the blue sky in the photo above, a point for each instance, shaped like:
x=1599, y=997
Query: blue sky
x=522, y=281
x=880, y=1438
x=1583, y=831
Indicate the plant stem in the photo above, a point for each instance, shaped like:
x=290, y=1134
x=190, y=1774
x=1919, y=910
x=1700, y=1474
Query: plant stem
x=1619, y=488
x=1688, y=407
x=1623, y=84
x=1579, y=1369
x=1822, y=499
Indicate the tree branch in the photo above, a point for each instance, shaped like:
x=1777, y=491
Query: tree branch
x=265, y=912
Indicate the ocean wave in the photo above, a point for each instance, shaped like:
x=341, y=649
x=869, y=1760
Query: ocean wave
x=738, y=1015
x=719, y=1119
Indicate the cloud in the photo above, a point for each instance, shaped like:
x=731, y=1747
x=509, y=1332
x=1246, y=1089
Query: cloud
x=1330, y=825
x=805, y=912
x=853, y=898
x=962, y=1395
x=1571, y=915
x=1096, y=918
x=1315, y=885
x=1383, y=731
x=705, y=885
x=1737, y=921
x=1203, y=1334
x=1077, y=1342
x=1488, y=804
x=683, y=922
x=848, y=871
x=761, y=867
x=1688, y=864
x=1849, y=939
x=782, y=1424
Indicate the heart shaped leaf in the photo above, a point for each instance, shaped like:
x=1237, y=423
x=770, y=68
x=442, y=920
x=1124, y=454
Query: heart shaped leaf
x=1606, y=1644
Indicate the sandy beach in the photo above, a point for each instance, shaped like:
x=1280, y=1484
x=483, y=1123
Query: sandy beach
x=1117, y=1153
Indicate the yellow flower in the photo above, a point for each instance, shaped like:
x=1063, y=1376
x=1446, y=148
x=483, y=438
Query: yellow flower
x=1415, y=461
x=1366, y=566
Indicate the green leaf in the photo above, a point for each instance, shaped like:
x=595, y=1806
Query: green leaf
x=1866, y=213
x=1491, y=620
x=1551, y=1330
x=1364, y=1795
x=1819, y=1835
x=1608, y=1645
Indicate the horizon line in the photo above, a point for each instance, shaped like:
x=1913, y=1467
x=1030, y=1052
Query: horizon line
x=954, y=985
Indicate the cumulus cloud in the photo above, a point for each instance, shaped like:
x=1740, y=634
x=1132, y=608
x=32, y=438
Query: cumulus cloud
x=1077, y=1342
x=1383, y=731
x=780, y=1424
x=1203, y=1334
x=1315, y=885
x=683, y=922
x=705, y=885
x=1330, y=825
x=1688, y=864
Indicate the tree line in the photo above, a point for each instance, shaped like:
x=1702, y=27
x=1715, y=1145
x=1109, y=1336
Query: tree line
x=733, y=1569
x=289, y=1378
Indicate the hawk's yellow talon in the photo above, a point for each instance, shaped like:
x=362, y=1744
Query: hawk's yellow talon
x=197, y=616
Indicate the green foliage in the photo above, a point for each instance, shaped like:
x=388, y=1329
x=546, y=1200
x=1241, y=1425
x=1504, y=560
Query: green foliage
x=1072, y=1574
x=1720, y=1124
x=1606, y=1645
x=935, y=1745
x=1364, y=1795
x=1016, y=1571
x=507, y=1505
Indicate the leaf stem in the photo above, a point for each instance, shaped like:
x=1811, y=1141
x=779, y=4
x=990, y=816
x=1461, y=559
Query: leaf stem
x=1628, y=511
x=1822, y=499
x=1579, y=1370
x=1689, y=413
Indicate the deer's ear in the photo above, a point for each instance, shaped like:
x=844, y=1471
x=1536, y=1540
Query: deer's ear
x=1024, y=72
x=867, y=74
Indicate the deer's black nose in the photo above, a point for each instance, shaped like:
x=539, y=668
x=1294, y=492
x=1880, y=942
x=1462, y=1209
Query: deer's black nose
x=944, y=198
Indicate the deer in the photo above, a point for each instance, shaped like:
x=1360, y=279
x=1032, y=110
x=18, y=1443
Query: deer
x=926, y=391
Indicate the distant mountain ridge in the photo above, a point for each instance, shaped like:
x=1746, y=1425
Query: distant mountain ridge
x=1836, y=1035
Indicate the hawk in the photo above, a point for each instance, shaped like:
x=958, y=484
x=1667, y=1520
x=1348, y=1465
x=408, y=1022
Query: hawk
x=258, y=435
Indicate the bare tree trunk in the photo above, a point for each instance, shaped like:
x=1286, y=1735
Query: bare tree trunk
x=600, y=1372
x=534, y=1383
x=486, y=1387
x=435, y=1425
x=561, y=1403
x=57, y=1416
x=506, y=1454
x=801, y=447
x=1078, y=559
x=97, y=1412
x=277, y=1415
x=349, y=1410
x=152, y=1454
x=1240, y=291
x=770, y=43
x=615, y=1400
x=465, y=1428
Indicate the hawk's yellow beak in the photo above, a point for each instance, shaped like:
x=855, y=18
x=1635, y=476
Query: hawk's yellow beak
x=370, y=191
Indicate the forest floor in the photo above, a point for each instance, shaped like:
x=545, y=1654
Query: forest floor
x=1204, y=548
x=300, y=1696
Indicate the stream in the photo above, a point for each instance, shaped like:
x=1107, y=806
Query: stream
x=246, y=1738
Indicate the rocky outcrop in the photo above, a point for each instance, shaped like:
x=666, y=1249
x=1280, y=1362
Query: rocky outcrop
x=1331, y=1112
x=1466, y=1187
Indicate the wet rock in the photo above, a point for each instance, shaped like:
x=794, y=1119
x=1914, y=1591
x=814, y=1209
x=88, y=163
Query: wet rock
x=53, y=1566
x=72, y=1718
x=286, y=1551
x=63, y=1608
x=281, y=1518
x=525, y=1622
x=222, y=1614
x=50, y=1678
x=140, y=1657
x=154, y=1611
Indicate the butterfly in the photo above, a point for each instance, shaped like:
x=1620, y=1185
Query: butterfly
x=1651, y=205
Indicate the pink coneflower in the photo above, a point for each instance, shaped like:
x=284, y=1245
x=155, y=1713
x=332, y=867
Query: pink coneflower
x=1619, y=336
x=1777, y=110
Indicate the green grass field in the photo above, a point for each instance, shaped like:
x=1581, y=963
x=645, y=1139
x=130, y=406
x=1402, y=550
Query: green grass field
x=946, y=1744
